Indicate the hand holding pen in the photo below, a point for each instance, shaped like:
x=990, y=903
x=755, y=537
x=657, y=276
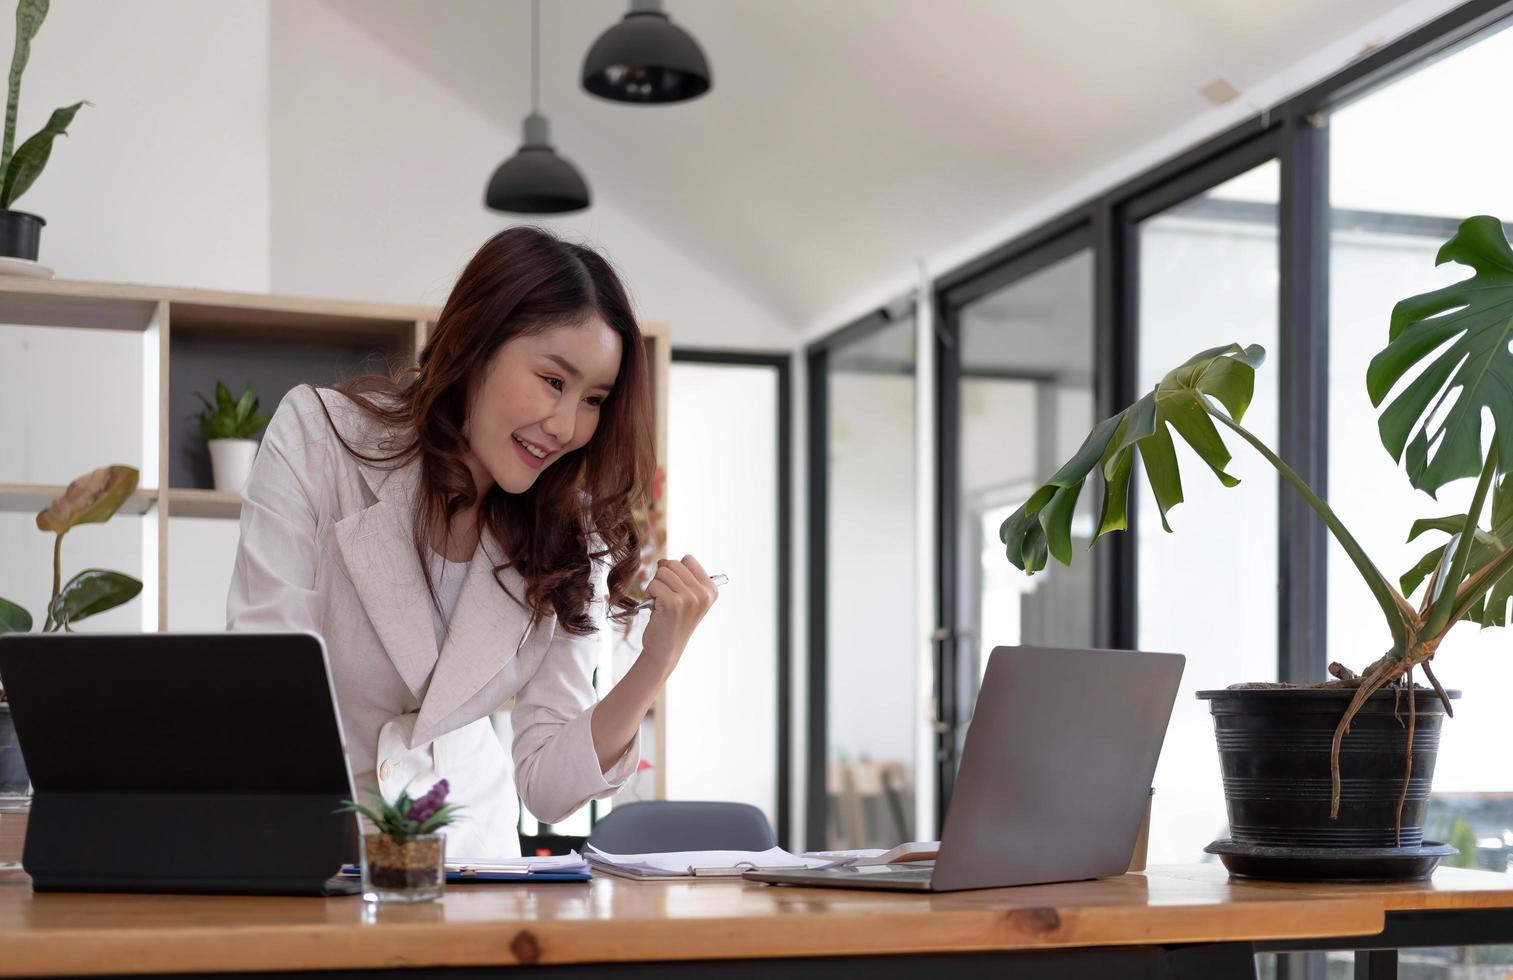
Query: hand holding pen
x=718, y=578
x=680, y=594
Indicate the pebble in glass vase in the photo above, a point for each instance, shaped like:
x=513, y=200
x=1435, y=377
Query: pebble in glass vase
x=408, y=870
x=404, y=857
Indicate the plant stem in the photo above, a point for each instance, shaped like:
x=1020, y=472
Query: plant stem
x=1439, y=612
x=1477, y=585
x=1391, y=603
x=57, y=578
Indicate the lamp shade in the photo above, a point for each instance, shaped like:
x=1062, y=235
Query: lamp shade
x=646, y=58
x=536, y=180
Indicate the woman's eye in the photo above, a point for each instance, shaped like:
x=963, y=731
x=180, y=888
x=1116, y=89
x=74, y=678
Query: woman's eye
x=595, y=400
x=554, y=382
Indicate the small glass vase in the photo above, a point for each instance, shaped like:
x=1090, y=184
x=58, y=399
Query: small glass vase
x=408, y=870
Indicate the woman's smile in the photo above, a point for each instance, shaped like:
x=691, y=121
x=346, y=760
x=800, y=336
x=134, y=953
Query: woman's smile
x=528, y=451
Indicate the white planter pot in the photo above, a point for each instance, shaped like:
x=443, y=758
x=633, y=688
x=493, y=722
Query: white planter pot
x=231, y=462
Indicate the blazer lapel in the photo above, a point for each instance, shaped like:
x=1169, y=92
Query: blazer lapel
x=377, y=544
x=488, y=629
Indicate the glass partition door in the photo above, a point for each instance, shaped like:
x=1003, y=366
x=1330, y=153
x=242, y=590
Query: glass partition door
x=1024, y=397
x=864, y=388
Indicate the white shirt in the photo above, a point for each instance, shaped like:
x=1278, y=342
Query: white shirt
x=447, y=576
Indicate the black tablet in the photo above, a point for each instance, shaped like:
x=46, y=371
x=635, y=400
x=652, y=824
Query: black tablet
x=180, y=762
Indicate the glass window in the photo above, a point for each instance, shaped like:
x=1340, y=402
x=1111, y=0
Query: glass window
x=1026, y=400
x=872, y=638
x=1408, y=162
x=1208, y=277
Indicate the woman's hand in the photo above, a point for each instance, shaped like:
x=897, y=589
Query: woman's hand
x=684, y=594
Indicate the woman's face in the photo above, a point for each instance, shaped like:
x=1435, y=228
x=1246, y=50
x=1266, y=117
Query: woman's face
x=540, y=398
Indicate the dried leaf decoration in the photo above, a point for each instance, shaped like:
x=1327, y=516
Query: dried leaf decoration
x=91, y=499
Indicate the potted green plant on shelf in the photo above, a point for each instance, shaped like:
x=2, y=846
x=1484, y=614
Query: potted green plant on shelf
x=20, y=231
x=91, y=499
x=229, y=427
x=1332, y=779
x=405, y=859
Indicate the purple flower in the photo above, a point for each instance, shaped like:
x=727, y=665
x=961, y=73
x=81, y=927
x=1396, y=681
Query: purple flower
x=425, y=807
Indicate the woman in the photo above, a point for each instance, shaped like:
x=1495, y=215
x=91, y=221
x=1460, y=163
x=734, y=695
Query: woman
x=457, y=534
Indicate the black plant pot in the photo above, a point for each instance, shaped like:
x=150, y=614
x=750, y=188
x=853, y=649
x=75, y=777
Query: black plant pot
x=20, y=234
x=13, y=778
x=1274, y=748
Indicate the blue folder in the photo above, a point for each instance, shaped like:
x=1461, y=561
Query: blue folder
x=463, y=877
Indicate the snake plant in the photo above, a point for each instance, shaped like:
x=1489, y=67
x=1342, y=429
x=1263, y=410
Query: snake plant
x=19, y=170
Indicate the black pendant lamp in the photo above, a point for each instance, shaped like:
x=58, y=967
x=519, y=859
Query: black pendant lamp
x=536, y=180
x=646, y=59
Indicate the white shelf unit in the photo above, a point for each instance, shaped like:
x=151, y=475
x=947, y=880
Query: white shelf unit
x=163, y=315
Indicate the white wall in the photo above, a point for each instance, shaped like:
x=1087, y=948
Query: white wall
x=163, y=178
x=378, y=178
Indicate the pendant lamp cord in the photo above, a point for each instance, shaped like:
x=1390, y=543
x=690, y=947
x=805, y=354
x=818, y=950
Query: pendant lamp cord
x=535, y=56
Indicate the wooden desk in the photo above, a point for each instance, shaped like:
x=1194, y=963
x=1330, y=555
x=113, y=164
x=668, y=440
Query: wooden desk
x=1172, y=921
x=1135, y=919
x=1455, y=908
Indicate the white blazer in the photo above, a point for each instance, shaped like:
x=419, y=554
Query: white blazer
x=327, y=546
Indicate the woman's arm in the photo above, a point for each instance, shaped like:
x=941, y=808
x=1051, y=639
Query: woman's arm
x=273, y=578
x=684, y=594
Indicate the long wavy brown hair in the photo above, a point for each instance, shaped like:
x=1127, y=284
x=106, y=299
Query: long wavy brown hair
x=525, y=281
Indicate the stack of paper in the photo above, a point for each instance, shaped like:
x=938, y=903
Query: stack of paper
x=696, y=864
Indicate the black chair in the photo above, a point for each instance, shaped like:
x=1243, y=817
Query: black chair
x=656, y=826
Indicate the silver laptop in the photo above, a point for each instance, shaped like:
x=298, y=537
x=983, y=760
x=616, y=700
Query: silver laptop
x=1054, y=774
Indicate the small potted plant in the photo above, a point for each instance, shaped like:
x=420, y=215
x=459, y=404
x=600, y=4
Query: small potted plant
x=21, y=232
x=91, y=499
x=1299, y=808
x=405, y=859
x=229, y=427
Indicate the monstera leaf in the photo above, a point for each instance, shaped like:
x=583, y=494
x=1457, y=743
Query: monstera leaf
x=1181, y=403
x=1486, y=546
x=1459, y=335
x=93, y=590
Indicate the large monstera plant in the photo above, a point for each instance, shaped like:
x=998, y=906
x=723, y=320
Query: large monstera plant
x=91, y=499
x=1447, y=360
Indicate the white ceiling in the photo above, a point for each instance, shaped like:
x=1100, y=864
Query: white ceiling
x=845, y=139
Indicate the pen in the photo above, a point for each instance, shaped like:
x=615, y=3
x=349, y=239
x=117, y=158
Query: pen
x=718, y=579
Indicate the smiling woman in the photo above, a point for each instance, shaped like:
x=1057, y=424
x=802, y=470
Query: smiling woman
x=458, y=532
x=536, y=405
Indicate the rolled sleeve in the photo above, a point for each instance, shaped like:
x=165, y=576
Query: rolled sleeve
x=556, y=765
